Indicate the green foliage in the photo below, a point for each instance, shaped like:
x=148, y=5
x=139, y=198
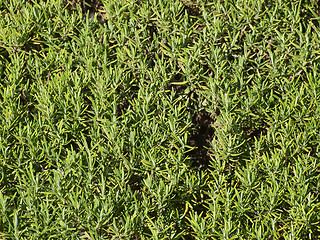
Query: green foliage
x=159, y=119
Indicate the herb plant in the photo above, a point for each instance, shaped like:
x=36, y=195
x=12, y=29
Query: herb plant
x=159, y=119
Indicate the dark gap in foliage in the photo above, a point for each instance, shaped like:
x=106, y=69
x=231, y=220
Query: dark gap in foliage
x=178, y=77
x=4, y=60
x=193, y=9
x=90, y=7
x=179, y=89
x=255, y=132
x=200, y=139
x=2, y=9
x=121, y=107
x=314, y=151
x=32, y=46
x=126, y=96
x=206, y=70
x=74, y=136
x=32, y=42
x=203, y=131
x=28, y=101
x=189, y=236
x=4, y=54
x=307, y=16
x=254, y=129
x=178, y=204
x=152, y=29
x=135, y=182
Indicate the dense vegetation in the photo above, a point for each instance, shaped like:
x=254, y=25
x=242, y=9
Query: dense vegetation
x=159, y=119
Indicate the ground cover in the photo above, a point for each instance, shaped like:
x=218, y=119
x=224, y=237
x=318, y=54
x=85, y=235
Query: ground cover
x=159, y=119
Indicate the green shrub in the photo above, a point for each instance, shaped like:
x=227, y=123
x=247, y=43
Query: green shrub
x=159, y=119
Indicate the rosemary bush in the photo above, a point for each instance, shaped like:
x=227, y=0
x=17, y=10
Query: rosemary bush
x=159, y=119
